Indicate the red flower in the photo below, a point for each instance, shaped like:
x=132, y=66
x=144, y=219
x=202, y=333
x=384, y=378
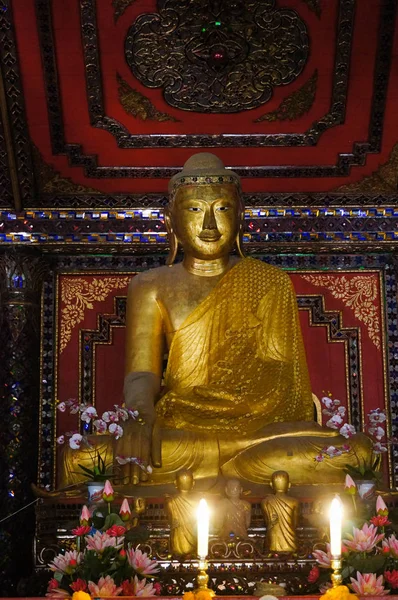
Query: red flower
x=123, y=554
x=392, y=578
x=116, y=530
x=82, y=530
x=158, y=588
x=380, y=521
x=127, y=588
x=73, y=563
x=52, y=585
x=79, y=585
x=313, y=575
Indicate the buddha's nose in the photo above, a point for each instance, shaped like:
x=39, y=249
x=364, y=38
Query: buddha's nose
x=209, y=221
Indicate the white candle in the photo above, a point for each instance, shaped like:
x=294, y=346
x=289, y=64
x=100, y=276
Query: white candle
x=203, y=516
x=336, y=519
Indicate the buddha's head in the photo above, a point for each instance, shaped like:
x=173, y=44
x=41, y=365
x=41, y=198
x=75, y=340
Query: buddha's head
x=184, y=481
x=205, y=213
x=280, y=481
x=233, y=488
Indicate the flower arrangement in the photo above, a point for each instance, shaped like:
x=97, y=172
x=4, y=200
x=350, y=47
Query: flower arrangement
x=375, y=428
x=111, y=422
x=104, y=562
x=369, y=556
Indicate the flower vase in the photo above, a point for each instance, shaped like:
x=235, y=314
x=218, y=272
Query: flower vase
x=366, y=489
x=95, y=490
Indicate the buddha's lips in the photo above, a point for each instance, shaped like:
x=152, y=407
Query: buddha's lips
x=207, y=236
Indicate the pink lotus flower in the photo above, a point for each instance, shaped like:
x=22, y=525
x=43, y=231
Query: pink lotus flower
x=349, y=485
x=79, y=585
x=368, y=585
x=125, y=510
x=52, y=585
x=365, y=539
x=323, y=558
x=142, y=588
x=141, y=562
x=381, y=507
x=380, y=521
x=313, y=575
x=116, y=530
x=59, y=593
x=66, y=563
x=85, y=516
x=108, y=494
x=82, y=530
x=390, y=546
x=99, y=541
x=391, y=578
x=105, y=587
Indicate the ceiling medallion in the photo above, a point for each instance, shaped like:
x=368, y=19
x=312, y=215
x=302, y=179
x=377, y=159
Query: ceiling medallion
x=217, y=56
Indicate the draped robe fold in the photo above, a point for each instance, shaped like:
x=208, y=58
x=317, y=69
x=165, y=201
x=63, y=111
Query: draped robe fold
x=237, y=363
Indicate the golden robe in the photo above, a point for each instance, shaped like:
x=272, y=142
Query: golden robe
x=280, y=514
x=238, y=363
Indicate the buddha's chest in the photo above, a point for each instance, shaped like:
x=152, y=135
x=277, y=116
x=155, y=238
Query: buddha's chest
x=179, y=297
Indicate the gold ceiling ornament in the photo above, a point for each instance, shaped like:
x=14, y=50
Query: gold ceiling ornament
x=51, y=182
x=119, y=7
x=78, y=295
x=315, y=6
x=297, y=104
x=359, y=293
x=382, y=181
x=138, y=105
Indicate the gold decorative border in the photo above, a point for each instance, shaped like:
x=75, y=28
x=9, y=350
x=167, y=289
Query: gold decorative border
x=79, y=296
x=352, y=294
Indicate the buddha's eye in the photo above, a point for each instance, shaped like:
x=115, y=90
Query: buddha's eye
x=195, y=209
x=223, y=208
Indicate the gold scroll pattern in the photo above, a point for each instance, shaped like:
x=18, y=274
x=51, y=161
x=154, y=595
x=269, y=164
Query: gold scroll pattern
x=296, y=105
x=138, y=105
x=358, y=293
x=382, y=181
x=78, y=295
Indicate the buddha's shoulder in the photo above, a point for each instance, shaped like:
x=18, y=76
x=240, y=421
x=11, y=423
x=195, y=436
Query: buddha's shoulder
x=150, y=279
x=261, y=268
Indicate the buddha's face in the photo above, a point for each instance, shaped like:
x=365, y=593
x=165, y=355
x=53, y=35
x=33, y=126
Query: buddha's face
x=233, y=488
x=206, y=219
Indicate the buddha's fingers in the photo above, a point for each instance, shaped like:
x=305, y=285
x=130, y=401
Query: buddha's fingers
x=146, y=439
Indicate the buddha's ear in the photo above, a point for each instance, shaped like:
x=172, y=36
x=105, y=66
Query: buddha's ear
x=239, y=237
x=173, y=242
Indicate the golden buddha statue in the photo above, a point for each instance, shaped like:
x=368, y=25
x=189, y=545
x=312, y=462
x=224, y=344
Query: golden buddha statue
x=281, y=513
x=233, y=512
x=181, y=509
x=236, y=395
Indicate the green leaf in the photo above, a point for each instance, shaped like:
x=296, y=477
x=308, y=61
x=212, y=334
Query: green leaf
x=112, y=519
x=369, y=564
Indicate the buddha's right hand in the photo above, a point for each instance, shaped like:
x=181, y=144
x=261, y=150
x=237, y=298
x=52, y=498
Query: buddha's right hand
x=136, y=443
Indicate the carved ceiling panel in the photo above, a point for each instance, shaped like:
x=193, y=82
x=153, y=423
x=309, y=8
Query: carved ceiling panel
x=295, y=96
x=217, y=56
